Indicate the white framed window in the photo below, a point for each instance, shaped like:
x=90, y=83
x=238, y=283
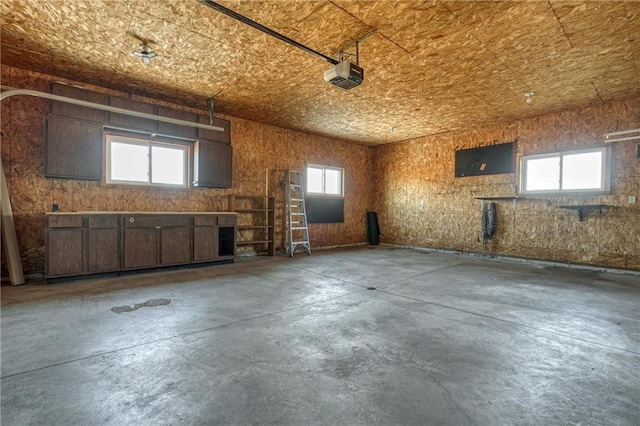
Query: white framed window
x=582, y=170
x=325, y=180
x=143, y=162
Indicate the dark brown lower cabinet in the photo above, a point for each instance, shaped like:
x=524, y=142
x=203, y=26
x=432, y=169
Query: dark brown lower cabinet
x=156, y=240
x=64, y=252
x=175, y=245
x=140, y=248
x=77, y=244
x=102, y=236
x=100, y=254
x=86, y=243
x=205, y=239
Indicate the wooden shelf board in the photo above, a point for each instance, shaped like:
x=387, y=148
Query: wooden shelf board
x=253, y=242
x=249, y=197
x=584, y=206
x=497, y=198
x=585, y=209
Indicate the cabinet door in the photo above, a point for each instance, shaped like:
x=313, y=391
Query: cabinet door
x=140, y=248
x=212, y=164
x=65, y=109
x=73, y=149
x=205, y=243
x=103, y=252
x=175, y=245
x=64, y=252
x=129, y=121
x=176, y=129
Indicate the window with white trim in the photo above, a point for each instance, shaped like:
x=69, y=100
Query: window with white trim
x=143, y=162
x=324, y=180
x=583, y=170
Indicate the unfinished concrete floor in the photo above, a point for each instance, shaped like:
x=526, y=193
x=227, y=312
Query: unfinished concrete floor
x=443, y=339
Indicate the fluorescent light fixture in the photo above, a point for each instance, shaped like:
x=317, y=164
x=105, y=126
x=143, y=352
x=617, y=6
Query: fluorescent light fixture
x=621, y=136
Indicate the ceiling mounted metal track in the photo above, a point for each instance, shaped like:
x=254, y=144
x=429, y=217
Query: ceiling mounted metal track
x=230, y=13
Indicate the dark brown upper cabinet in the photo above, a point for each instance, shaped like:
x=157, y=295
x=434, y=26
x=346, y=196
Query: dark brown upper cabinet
x=64, y=109
x=215, y=135
x=176, y=129
x=74, y=137
x=212, y=164
x=131, y=122
x=73, y=149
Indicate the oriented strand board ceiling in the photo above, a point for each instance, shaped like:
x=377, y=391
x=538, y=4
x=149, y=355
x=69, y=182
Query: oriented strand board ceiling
x=432, y=67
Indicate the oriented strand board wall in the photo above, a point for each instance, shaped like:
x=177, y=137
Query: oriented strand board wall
x=421, y=203
x=259, y=151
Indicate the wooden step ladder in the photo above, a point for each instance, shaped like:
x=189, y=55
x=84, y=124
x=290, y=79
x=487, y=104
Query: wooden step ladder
x=297, y=229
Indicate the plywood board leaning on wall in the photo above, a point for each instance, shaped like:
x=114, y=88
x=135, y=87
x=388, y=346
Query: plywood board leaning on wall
x=9, y=233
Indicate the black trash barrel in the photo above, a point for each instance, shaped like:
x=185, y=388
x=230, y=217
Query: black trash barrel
x=373, y=229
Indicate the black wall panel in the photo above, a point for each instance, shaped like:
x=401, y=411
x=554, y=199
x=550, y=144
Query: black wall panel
x=488, y=160
x=325, y=210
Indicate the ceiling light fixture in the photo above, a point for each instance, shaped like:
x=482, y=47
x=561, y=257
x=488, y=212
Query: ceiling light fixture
x=145, y=54
x=529, y=96
x=621, y=136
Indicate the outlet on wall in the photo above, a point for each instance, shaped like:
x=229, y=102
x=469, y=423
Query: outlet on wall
x=632, y=199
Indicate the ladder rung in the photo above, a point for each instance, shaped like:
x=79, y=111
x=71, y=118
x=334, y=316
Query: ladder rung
x=299, y=227
x=295, y=185
x=300, y=242
x=297, y=214
x=297, y=199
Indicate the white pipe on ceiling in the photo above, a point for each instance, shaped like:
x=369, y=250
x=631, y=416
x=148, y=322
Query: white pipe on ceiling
x=14, y=92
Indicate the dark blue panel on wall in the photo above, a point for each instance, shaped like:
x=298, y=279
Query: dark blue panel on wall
x=488, y=160
x=325, y=210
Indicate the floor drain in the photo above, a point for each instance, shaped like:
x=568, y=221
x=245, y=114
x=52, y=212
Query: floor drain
x=371, y=288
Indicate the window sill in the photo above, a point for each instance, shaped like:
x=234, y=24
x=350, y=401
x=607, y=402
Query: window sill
x=563, y=194
x=323, y=196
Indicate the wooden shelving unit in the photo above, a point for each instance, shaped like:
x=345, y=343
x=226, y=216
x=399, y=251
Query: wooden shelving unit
x=255, y=222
